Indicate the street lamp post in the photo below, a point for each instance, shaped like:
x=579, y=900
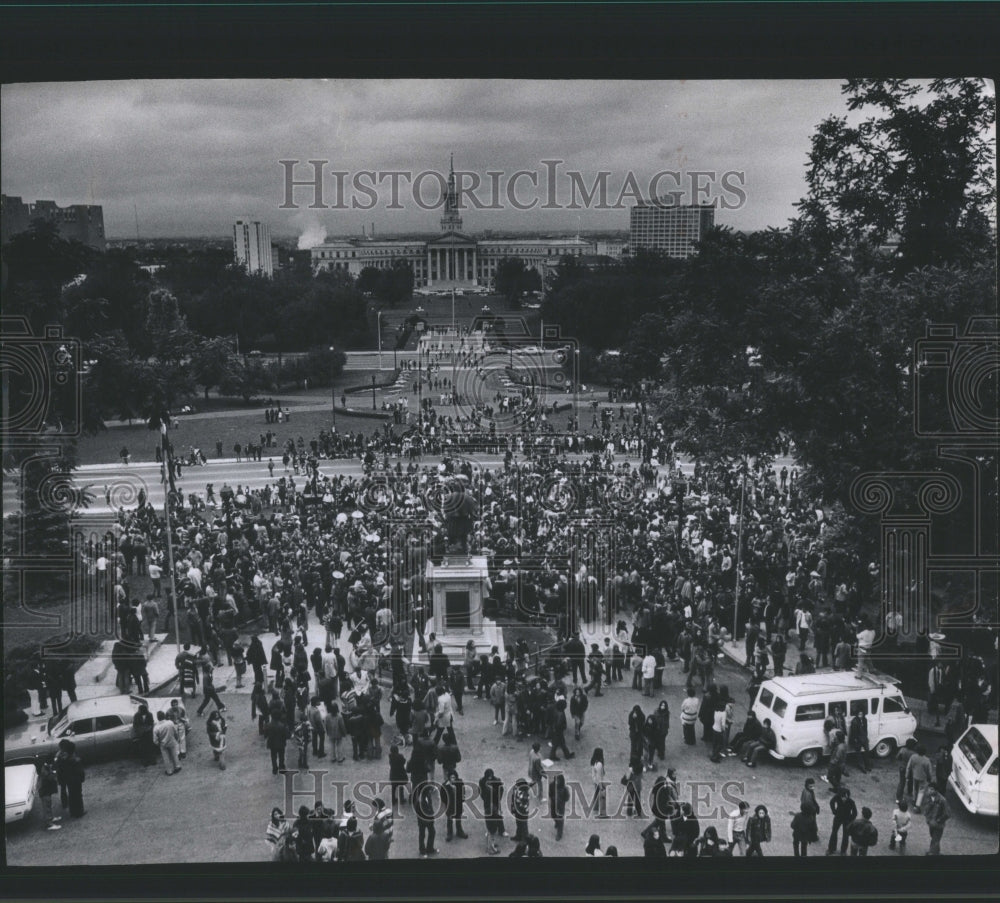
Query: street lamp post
x=333, y=387
x=378, y=327
x=739, y=547
x=373, y=393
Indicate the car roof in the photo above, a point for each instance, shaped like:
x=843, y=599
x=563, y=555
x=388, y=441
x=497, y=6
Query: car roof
x=824, y=682
x=102, y=705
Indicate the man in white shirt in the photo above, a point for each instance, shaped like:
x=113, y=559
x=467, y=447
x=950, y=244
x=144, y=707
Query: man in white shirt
x=866, y=639
x=648, y=672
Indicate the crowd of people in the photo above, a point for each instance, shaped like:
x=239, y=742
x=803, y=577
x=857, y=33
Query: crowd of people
x=669, y=581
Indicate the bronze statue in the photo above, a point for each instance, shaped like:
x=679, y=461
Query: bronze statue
x=460, y=510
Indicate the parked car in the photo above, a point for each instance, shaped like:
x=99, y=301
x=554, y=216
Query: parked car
x=101, y=728
x=974, y=769
x=20, y=788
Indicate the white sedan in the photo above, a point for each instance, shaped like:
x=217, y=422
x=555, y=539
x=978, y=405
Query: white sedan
x=20, y=789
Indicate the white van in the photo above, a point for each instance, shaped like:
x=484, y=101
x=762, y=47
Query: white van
x=798, y=705
x=974, y=769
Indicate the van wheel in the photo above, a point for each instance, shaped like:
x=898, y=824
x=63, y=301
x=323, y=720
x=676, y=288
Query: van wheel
x=884, y=748
x=810, y=757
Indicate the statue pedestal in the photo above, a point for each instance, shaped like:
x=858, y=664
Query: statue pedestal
x=458, y=589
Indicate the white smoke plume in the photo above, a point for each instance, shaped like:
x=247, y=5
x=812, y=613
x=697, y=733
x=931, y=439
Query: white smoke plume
x=314, y=233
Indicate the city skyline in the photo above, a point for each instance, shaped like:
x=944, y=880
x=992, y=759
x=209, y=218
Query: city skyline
x=187, y=158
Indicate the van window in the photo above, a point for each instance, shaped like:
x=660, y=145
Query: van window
x=993, y=768
x=976, y=749
x=893, y=705
x=875, y=706
x=815, y=711
x=780, y=706
x=859, y=707
x=765, y=697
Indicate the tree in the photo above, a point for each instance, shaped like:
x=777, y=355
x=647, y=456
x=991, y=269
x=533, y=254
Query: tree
x=920, y=168
x=210, y=362
x=513, y=279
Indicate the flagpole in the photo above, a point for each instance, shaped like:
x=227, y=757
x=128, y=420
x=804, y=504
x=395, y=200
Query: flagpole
x=739, y=550
x=168, y=487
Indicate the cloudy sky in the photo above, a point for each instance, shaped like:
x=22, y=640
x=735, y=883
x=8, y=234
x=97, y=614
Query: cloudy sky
x=192, y=156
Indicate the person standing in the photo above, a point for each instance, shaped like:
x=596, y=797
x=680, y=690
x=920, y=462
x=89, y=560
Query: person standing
x=599, y=777
x=903, y=760
x=454, y=800
x=937, y=813
x=718, y=731
x=858, y=736
x=426, y=809
x=689, y=716
x=558, y=740
x=536, y=771
x=317, y=728
x=257, y=658
x=900, y=827
x=845, y=811
x=178, y=715
x=48, y=784
x=558, y=797
x=736, y=833
x=165, y=737
x=216, y=727
x=71, y=775
x=491, y=793
x=662, y=719
x=277, y=740
x=804, y=830
x=520, y=807
x=142, y=733
x=863, y=833
x=632, y=781
x=578, y=704
x=336, y=728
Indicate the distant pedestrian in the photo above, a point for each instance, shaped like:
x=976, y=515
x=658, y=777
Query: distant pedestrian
x=277, y=740
x=71, y=775
x=901, y=819
x=758, y=831
x=211, y=695
x=48, y=784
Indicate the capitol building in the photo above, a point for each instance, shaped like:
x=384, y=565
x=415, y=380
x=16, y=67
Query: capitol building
x=450, y=261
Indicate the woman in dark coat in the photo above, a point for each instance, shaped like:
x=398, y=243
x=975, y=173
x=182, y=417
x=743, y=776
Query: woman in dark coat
x=706, y=714
x=636, y=735
x=558, y=797
x=758, y=831
x=70, y=774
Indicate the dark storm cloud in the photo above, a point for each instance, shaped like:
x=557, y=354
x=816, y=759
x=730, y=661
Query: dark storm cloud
x=192, y=156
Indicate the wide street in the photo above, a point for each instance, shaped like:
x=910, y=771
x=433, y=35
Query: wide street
x=139, y=815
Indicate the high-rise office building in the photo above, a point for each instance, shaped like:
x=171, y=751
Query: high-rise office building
x=252, y=247
x=671, y=229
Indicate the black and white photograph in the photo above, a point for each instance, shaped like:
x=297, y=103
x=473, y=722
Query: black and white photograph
x=482, y=468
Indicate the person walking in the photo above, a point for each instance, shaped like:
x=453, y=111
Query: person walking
x=216, y=727
x=718, y=731
x=845, y=811
x=211, y=694
x=758, y=831
x=599, y=777
x=558, y=740
x=937, y=813
x=397, y=774
x=165, y=737
x=863, y=833
x=491, y=793
x=919, y=774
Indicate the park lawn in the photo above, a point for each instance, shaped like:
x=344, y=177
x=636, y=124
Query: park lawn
x=230, y=428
